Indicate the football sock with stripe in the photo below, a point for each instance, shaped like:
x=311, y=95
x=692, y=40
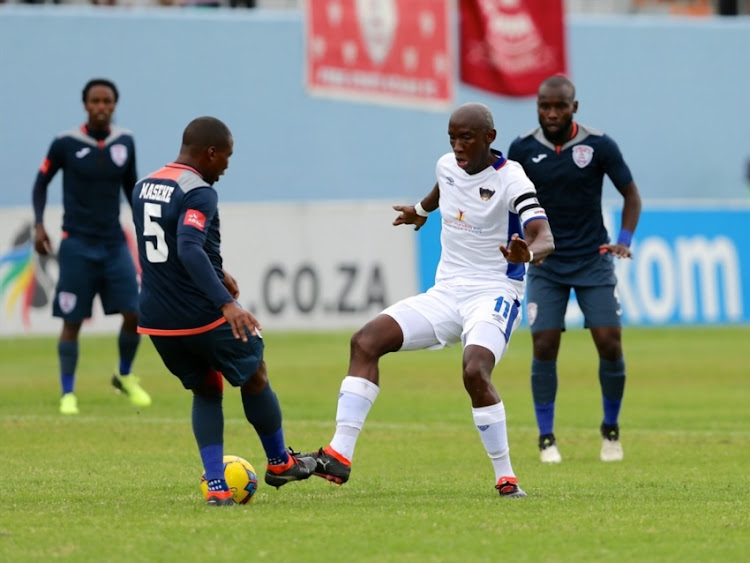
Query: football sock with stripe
x=355, y=400
x=263, y=411
x=544, y=391
x=67, y=353
x=612, y=381
x=127, y=344
x=208, y=428
x=490, y=422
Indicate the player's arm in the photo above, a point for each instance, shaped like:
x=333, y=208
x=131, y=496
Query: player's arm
x=199, y=208
x=130, y=177
x=537, y=242
x=417, y=214
x=231, y=284
x=631, y=212
x=47, y=170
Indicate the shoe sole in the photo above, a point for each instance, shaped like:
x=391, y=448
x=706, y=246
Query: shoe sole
x=332, y=478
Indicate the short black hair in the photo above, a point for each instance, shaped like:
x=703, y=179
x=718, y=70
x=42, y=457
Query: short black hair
x=204, y=132
x=99, y=82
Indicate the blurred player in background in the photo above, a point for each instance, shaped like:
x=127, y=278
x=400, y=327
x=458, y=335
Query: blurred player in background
x=98, y=161
x=492, y=224
x=567, y=162
x=187, y=306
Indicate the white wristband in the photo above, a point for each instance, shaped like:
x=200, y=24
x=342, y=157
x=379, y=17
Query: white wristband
x=531, y=256
x=421, y=210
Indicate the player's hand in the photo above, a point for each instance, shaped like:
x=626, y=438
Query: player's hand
x=517, y=250
x=231, y=284
x=42, y=243
x=240, y=319
x=408, y=216
x=617, y=250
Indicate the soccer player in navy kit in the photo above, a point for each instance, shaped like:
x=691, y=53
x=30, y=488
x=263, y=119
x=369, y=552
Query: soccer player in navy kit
x=567, y=162
x=98, y=162
x=188, y=308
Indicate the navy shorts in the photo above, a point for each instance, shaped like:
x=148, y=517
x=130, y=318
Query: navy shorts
x=191, y=357
x=595, y=285
x=89, y=268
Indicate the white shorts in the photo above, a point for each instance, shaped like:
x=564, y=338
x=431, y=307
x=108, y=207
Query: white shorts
x=483, y=316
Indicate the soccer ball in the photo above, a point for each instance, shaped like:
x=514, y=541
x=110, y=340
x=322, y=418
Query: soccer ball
x=240, y=476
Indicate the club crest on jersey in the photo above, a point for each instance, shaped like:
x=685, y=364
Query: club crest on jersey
x=486, y=193
x=67, y=301
x=582, y=155
x=195, y=218
x=119, y=154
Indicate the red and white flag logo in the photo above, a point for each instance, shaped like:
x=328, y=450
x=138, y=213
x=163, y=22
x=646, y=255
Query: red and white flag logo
x=195, y=218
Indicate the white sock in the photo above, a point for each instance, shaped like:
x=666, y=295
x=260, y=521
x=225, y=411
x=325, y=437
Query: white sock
x=490, y=422
x=355, y=399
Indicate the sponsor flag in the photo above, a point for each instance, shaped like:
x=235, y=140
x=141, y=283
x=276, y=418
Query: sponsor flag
x=510, y=46
x=388, y=51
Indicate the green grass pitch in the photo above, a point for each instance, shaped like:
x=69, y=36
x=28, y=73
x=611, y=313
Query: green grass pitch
x=118, y=484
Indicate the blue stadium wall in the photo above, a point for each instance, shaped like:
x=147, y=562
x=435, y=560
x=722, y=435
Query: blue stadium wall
x=671, y=91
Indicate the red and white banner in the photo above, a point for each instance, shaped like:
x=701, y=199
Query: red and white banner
x=390, y=51
x=510, y=46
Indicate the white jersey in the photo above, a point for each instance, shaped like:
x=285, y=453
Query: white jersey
x=479, y=213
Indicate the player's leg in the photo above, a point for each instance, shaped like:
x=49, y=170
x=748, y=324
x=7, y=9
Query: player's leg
x=489, y=324
x=184, y=358
x=74, y=295
x=602, y=312
x=547, y=302
x=241, y=363
x=406, y=325
x=119, y=294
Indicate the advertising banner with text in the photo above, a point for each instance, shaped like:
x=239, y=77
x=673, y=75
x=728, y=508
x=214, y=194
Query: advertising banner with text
x=690, y=266
x=387, y=51
x=299, y=266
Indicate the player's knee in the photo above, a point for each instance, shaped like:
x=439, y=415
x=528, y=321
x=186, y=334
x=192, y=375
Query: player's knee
x=366, y=344
x=257, y=381
x=476, y=376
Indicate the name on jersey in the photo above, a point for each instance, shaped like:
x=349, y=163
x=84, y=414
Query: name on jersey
x=156, y=192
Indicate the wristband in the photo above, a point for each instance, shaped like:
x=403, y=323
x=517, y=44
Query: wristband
x=531, y=256
x=421, y=210
x=625, y=237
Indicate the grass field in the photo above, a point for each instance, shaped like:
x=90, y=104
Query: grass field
x=115, y=484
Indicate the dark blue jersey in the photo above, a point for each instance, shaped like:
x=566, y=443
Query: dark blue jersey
x=95, y=169
x=179, y=247
x=568, y=181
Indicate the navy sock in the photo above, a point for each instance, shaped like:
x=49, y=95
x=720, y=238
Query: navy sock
x=127, y=345
x=612, y=381
x=263, y=411
x=213, y=463
x=544, y=391
x=67, y=353
x=208, y=428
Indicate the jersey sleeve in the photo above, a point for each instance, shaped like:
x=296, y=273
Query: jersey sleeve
x=54, y=160
x=130, y=175
x=199, y=208
x=614, y=164
x=522, y=198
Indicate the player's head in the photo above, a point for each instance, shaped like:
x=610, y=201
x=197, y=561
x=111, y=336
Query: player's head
x=207, y=145
x=471, y=131
x=99, y=99
x=555, y=104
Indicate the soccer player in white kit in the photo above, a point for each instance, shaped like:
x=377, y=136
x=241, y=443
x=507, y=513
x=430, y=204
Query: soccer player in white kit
x=492, y=225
